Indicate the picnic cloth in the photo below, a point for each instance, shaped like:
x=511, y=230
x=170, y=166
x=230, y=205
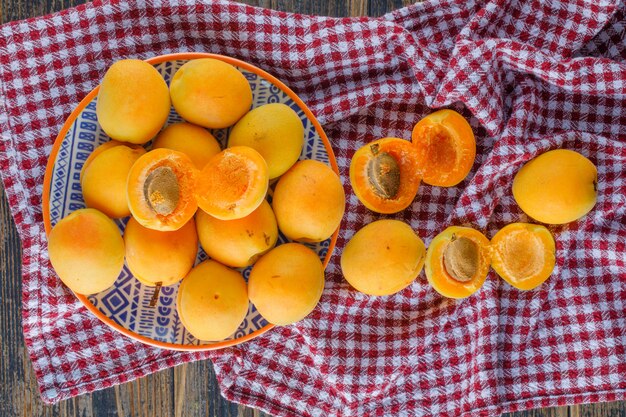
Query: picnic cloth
x=529, y=75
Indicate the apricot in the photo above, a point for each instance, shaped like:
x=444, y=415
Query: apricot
x=212, y=301
x=162, y=258
x=457, y=261
x=556, y=187
x=286, y=284
x=275, y=131
x=384, y=175
x=160, y=190
x=238, y=243
x=446, y=148
x=97, y=151
x=383, y=257
x=133, y=101
x=210, y=93
x=523, y=254
x=104, y=179
x=194, y=141
x=87, y=251
x=309, y=202
x=233, y=183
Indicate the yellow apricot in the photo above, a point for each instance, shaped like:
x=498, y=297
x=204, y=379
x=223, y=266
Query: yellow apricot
x=97, y=151
x=238, y=243
x=210, y=93
x=275, y=131
x=86, y=251
x=556, y=187
x=286, y=284
x=212, y=301
x=133, y=101
x=194, y=141
x=309, y=202
x=383, y=257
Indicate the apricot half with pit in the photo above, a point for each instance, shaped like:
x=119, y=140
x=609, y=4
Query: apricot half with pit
x=384, y=175
x=556, y=187
x=212, y=301
x=523, y=254
x=194, y=141
x=160, y=190
x=86, y=251
x=383, y=257
x=457, y=261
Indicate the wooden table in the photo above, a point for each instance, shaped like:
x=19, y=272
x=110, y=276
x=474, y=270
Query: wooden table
x=188, y=390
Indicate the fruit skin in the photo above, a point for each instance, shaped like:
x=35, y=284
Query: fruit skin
x=194, y=141
x=238, y=243
x=86, y=251
x=275, y=131
x=404, y=154
x=286, y=284
x=210, y=93
x=436, y=272
x=556, y=187
x=212, y=301
x=166, y=257
x=133, y=101
x=97, y=151
x=309, y=202
x=104, y=179
x=531, y=244
x=446, y=148
x=383, y=257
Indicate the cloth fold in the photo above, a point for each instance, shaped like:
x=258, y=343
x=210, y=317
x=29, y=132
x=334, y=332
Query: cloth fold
x=529, y=75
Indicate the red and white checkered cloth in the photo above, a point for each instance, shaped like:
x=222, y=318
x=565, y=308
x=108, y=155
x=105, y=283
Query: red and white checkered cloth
x=532, y=75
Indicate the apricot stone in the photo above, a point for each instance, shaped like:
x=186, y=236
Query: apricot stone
x=86, y=251
x=133, y=101
x=383, y=257
x=194, y=141
x=309, y=202
x=286, y=284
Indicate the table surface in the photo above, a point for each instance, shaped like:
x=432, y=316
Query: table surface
x=187, y=390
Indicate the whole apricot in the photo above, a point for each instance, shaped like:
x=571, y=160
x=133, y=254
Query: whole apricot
x=133, y=101
x=309, y=202
x=383, y=257
x=286, y=284
x=86, y=251
x=194, y=141
x=210, y=93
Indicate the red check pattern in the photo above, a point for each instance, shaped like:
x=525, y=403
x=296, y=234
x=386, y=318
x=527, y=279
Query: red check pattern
x=530, y=76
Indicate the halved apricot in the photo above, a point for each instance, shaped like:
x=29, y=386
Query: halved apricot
x=523, y=254
x=384, y=175
x=446, y=148
x=457, y=261
x=233, y=183
x=160, y=190
x=194, y=141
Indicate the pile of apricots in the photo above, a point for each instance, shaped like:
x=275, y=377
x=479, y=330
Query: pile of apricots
x=182, y=189
x=386, y=256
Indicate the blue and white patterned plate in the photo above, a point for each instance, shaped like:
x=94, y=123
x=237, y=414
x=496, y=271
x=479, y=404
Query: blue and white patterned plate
x=126, y=305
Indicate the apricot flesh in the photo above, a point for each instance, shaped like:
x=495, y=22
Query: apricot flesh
x=383, y=257
x=238, y=243
x=556, y=187
x=194, y=141
x=275, y=131
x=156, y=257
x=212, y=301
x=133, y=101
x=524, y=254
x=286, y=284
x=309, y=202
x=210, y=93
x=86, y=251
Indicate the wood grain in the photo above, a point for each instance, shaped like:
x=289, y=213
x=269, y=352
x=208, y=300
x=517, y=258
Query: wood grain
x=188, y=390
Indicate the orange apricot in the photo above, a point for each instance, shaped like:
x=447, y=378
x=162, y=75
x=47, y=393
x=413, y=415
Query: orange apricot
x=446, y=148
x=160, y=190
x=523, y=254
x=233, y=183
x=97, y=151
x=194, y=141
x=384, y=175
